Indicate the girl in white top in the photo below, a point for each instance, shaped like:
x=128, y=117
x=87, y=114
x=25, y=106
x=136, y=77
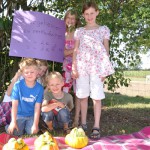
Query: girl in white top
x=91, y=65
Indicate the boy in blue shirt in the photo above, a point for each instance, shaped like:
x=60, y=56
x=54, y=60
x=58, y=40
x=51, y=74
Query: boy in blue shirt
x=27, y=95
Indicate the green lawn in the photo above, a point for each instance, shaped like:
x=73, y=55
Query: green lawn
x=120, y=115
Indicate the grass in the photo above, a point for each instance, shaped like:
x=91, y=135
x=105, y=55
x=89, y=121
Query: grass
x=120, y=115
x=123, y=114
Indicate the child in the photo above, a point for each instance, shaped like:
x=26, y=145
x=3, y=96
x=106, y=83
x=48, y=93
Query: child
x=5, y=106
x=27, y=95
x=57, y=104
x=91, y=64
x=43, y=71
x=71, y=21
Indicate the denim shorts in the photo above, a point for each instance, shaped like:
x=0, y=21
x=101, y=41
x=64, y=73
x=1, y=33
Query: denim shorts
x=24, y=125
x=62, y=117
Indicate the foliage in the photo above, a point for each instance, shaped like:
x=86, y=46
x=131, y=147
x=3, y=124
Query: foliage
x=128, y=21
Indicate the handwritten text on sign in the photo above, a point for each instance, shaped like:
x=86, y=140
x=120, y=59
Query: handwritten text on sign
x=37, y=35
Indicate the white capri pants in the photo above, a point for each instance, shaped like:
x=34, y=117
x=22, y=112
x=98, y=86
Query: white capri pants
x=90, y=85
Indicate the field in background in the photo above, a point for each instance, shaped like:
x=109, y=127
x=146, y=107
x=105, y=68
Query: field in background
x=137, y=73
x=138, y=85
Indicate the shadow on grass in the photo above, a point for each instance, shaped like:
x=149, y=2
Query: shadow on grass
x=124, y=120
x=121, y=114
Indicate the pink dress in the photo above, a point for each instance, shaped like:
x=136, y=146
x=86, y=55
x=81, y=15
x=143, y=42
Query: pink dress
x=67, y=67
x=92, y=56
x=67, y=64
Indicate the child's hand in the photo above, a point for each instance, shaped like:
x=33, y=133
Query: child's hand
x=12, y=127
x=18, y=74
x=75, y=74
x=102, y=79
x=60, y=104
x=34, y=129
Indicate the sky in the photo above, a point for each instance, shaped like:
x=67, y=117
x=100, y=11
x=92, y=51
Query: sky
x=145, y=61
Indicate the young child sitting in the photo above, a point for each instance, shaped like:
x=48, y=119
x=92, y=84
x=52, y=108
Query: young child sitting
x=27, y=95
x=57, y=104
x=5, y=106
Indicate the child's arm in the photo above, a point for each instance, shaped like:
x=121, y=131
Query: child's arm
x=106, y=45
x=14, y=80
x=70, y=104
x=74, y=63
x=37, y=110
x=68, y=52
x=47, y=106
x=13, y=124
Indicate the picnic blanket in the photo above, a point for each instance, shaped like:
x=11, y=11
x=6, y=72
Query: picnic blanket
x=135, y=141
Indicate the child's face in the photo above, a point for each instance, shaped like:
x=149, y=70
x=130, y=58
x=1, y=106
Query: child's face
x=30, y=73
x=42, y=71
x=70, y=20
x=55, y=85
x=90, y=15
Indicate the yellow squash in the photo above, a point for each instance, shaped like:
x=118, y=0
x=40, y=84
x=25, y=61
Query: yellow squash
x=46, y=142
x=14, y=144
x=76, y=138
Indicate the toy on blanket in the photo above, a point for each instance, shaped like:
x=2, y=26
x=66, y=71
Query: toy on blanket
x=76, y=138
x=14, y=144
x=46, y=142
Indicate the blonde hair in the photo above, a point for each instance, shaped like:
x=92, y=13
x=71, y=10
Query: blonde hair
x=41, y=62
x=53, y=75
x=72, y=12
x=27, y=62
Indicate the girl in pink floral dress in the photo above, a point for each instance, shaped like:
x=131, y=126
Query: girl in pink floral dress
x=72, y=22
x=91, y=65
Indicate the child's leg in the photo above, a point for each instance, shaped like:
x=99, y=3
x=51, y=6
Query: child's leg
x=97, y=93
x=77, y=106
x=48, y=119
x=63, y=119
x=82, y=92
x=84, y=106
x=50, y=125
x=77, y=111
x=97, y=112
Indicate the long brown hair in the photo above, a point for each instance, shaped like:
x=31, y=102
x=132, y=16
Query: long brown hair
x=88, y=5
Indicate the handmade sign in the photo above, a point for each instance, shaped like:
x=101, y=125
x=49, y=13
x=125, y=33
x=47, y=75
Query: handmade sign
x=37, y=35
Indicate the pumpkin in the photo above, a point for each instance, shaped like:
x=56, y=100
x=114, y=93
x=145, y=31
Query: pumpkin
x=14, y=144
x=45, y=142
x=76, y=138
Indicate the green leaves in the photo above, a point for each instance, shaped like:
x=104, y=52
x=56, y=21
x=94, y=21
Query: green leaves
x=129, y=23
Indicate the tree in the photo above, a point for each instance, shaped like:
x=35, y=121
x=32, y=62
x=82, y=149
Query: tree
x=128, y=21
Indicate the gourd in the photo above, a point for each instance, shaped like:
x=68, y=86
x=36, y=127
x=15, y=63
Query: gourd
x=45, y=142
x=76, y=138
x=14, y=144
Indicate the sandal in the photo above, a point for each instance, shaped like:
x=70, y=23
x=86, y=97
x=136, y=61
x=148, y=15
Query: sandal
x=95, y=135
x=84, y=127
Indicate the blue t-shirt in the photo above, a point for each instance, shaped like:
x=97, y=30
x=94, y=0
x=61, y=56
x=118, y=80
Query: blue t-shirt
x=27, y=97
